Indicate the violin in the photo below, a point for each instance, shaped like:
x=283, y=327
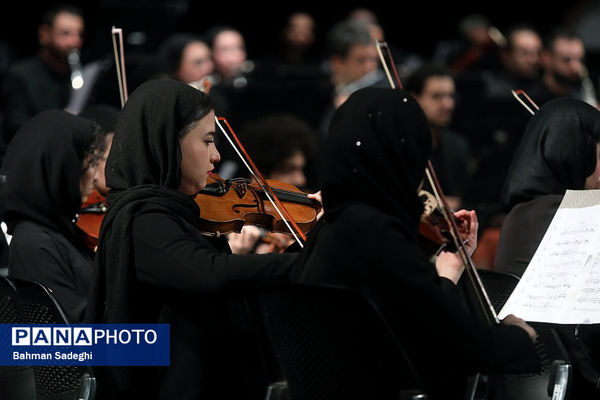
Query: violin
x=226, y=205
x=434, y=227
x=90, y=218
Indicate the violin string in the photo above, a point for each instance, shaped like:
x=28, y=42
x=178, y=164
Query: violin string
x=258, y=180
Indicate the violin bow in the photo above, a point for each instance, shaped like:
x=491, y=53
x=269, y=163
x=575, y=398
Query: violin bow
x=481, y=294
x=120, y=63
x=254, y=171
x=519, y=92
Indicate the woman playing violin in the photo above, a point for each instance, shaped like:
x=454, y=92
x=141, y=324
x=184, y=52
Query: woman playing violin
x=50, y=166
x=372, y=166
x=154, y=264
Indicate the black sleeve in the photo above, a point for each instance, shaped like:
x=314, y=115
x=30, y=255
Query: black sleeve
x=54, y=263
x=167, y=254
x=415, y=295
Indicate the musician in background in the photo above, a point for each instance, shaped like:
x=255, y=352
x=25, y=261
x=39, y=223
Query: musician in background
x=352, y=63
x=282, y=146
x=43, y=81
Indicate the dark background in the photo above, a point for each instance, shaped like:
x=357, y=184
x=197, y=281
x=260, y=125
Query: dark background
x=411, y=25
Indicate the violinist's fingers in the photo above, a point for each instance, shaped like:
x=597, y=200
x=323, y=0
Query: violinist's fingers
x=512, y=319
x=245, y=241
x=317, y=196
x=449, y=265
x=469, y=226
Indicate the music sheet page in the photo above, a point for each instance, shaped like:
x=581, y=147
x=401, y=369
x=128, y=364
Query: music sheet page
x=562, y=282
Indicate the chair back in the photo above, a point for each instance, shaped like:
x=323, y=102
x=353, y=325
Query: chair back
x=36, y=305
x=16, y=382
x=333, y=343
x=549, y=347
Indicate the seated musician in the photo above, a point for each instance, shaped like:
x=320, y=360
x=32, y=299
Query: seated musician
x=372, y=166
x=153, y=263
x=560, y=150
x=50, y=166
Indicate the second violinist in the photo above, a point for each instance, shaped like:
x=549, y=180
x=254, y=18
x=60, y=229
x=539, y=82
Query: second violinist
x=154, y=264
x=371, y=168
x=94, y=206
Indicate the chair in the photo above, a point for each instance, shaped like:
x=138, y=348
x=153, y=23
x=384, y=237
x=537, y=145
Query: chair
x=333, y=343
x=16, y=382
x=36, y=305
x=556, y=372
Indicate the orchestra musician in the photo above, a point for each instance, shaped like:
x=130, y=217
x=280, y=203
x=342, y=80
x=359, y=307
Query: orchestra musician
x=560, y=151
x=50, y=166
x=153, y=264
x=372, y=166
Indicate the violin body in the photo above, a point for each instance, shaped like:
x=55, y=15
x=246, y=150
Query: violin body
x=227, y=205
x=90, y=218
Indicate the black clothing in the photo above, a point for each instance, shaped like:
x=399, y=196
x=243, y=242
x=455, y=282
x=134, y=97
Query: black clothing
x=373, y=162
x=154, y=265
x=451, y=160
x=29, y=87
x=558, y=152
x=42, y=254
x=41, y=197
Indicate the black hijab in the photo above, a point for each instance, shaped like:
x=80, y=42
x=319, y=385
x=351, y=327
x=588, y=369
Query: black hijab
x=376, y=153
x=557, y=152
x=143, y=171
x=43, y=166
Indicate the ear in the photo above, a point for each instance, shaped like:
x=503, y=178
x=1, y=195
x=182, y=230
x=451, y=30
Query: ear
x=44, y=34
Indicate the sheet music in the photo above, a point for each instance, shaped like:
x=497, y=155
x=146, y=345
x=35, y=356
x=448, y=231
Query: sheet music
x=562, y=282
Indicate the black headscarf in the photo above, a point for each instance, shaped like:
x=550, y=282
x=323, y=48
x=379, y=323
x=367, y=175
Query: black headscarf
x=557, y=152
x=43, y=166
x=105, y=115
x=376, y=153
x=143, y=171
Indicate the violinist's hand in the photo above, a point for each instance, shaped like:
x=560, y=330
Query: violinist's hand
x=468, y=225
x=245, y=241
x=516, y=321
x=317, y=196
x=450, y=265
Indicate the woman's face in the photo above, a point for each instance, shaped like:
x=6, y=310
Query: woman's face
x=99, y=177
x=196, y=63
x=593, y=181
x=86, y=180
x=198, y=155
